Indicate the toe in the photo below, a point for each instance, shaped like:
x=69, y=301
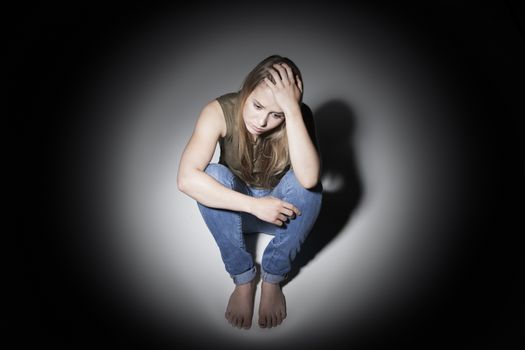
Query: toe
x=274, y=320
x=241, y=322
x=279, y=319
x=246, y=324
x=262, y=321
x=270, y=321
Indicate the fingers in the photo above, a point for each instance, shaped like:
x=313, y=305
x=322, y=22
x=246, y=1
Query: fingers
x=281, y=211
x=285, y=71
x=299, y=83
x=292, y=207
x=288, y=212
x=269, y=83
x=276, y=78
x=285, y=76
x=282, y=217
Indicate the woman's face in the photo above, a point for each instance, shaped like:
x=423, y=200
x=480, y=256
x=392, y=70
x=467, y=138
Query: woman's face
x=261, y=113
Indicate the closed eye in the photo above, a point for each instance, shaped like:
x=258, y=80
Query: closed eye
x=276, y=115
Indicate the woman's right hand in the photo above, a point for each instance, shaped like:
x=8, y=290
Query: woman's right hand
x=273, y=210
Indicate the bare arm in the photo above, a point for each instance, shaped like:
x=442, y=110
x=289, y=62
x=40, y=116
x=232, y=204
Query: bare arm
x=193, y=181
x=303, y=154
x=191, y=178
x=304, y=157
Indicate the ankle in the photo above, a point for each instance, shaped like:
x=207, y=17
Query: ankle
x=270, y=285
x=245, y=286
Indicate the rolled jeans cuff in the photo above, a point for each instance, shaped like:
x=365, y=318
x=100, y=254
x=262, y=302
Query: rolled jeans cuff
x=269, y=278
x=244, y=277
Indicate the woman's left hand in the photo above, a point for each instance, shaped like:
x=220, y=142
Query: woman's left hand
x=287, y=89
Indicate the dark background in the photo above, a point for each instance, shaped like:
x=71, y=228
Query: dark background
x=56, y=49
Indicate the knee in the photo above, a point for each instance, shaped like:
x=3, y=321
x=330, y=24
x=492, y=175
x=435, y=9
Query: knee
x=221, y=173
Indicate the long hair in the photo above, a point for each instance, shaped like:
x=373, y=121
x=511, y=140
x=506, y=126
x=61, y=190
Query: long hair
x=274, y=156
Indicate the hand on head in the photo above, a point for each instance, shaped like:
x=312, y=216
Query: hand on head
x=287, y=89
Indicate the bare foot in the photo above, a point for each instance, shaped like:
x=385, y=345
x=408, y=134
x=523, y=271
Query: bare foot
x=272, y=308
x=239, y=311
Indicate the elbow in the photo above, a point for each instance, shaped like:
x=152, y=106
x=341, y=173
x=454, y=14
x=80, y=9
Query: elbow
x=186, y=181
x=308, y=180
x=309, y=177
x=309, y=183
x=182, y=184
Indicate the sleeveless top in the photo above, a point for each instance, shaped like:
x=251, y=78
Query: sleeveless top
x=229, y=143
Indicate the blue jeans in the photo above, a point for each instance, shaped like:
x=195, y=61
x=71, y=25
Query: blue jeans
x=228, y=227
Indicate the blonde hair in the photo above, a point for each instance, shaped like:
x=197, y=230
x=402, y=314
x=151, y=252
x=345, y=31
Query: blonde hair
x=274, y=156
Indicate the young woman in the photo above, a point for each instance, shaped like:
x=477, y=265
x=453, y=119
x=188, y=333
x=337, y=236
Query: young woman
x=266, y=180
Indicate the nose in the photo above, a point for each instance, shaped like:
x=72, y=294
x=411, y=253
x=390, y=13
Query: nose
x=261, y=122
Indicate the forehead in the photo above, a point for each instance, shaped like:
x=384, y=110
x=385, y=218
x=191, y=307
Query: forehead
x=263, y=94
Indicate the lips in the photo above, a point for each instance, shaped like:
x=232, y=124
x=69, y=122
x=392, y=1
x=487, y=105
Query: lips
x=256, y=129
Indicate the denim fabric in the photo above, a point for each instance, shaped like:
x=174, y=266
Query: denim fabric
x=228, y=227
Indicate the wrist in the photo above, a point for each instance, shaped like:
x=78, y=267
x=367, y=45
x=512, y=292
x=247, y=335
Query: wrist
x=250, y=204
x=292, y=111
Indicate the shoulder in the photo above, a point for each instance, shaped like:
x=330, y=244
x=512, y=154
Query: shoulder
x=212, y=116
x=228, y=102
x=230, y=97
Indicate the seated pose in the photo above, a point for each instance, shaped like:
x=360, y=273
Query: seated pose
x=266, y=180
